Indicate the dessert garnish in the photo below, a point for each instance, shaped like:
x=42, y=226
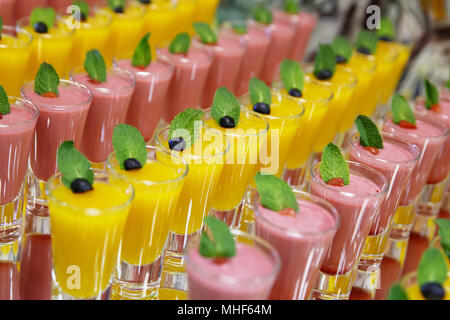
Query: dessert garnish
x=366, y=42
x=262, y=14
x=260, y=96
x=431, y=274
x=117, y=6
x=324, y=62
x=180, y=44
x=84, y=9
x=217, y=242
x=142, y=54
x=386, y=31
x=292, y=77
x=1, y=27
x=369, y=136
x=225, y=108
x=205, y=33
x=432, y=97
x=291, y=6
x=342, y=49
x=402, y=112
x=42, y=19
x=46, y=81
x=240, y=27
x=130, y=147
x=95, y=66
x=184, y=129
x=333, y=167
x=5, y=107
x=444, y=233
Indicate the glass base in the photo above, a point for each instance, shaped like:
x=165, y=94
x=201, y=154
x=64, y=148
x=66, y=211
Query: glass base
x=368, y=281
x=373, y=252
x=65, y=296
x=231, y=217
x=432, y=197
x=404, y=219
x=11, y=228
x=37, y=202
x=334, y=286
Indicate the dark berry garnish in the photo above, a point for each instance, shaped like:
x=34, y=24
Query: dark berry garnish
x=262, y=108
x=324, y=74
x=386, y=38
x=227, y=122
x=83, y=16
x=132, y=164
x=40, y=27
x=119, y=10
x=80, y=185
x=364, y=50
x=340, y=59
x=339, y=182
x=177, y=144
x=295, y=93
x=432, y=291
x=145, y=1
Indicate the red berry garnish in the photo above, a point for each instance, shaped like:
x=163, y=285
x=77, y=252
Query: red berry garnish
x=436, y=108
x=372, y=150
x=50, y=95
x=141, y=67
x=287, y=212
x=339, y=182
x=407, y=125
x=220, y=260
x=94, y=81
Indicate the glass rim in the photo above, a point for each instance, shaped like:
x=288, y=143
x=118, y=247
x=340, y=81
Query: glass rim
x=367, y=69
x=183, y=175
x=278, y=82
x=55, y=107
x=34, y=117
x=17, y=30
x=63, y=14
x=419, y=105
x=392, y=136
x=90, y=211
x=128, y=55
x=271, y=251
x=308, y=197
x=152, y=6
x=383, y=191
x=24, y=22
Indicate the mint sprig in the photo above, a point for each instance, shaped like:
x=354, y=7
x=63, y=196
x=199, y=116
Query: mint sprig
x=432, y=267
x=73, y=164
x=291, y=6
x=444, y=233
x=205, y=32
x=240, y=27
x=84, y=9
x=186, y=125
x=431, y=94
x=95, y=66
x=47, y=80
x=5, y=107
x=396, y=292
x=259, y=92
x=401, y=110
x=44, y=15
x=115, y=4
x=291, y=75
x=275, y=194
x=386, y=30
x=342, y=47
x=217, y=241
x=367, y=42
x=129, y=143
x=333, y=165
x=369, y=136
x=142, y=54
x=324, y=60
x=225, y=104
x=180, y=44
x=447, y=85
x=262, y=15
x=1, y=27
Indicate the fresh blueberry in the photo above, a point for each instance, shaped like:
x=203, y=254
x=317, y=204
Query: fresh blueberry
x=432, y=291
x=118, y=10
x=83, y=16
x=324, y=74
x=40, y=27
x=177, y=144
x=340, y=59
x=227, y=122
x=145, y=1
x=262, y=108
x=295, y=93
x=386, y=38
x=364, y=50
x=132, y=164
x=80, y=185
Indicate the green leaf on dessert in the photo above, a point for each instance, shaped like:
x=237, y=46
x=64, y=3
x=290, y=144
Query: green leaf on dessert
x=143, y=54
x=225, y=104
x=342, y=47
x=217, y=241
x=275, y=194
x=44, y=15
x=1, y=27
x=47, y=80
x=401, y=110
x=386, y=29
x=262, y=14
x=292, y=75
x=259, y=92
x=186, y=125
x=180, y=44
x=432, y=267
x=129, y=143
x=447, y=85
x=205, y=32
x=113, y=4
x=396, y=292
x=367, y=40
x=431, y=94
x=84, y=7
x=4, y=101
x=240, y=27
x=444, y=233
x=95, y=66
x=333, y=165
x=73, y=164
x=325, y=59
x=369, y=136
x=291, y=6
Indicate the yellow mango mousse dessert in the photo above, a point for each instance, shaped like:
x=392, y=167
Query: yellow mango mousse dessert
x=88, y=211
x=52, y=41
x=205, y=10
x=283, y=113
x=14, y=55
x=247, y=132
x=159, y=19
x=185, y=14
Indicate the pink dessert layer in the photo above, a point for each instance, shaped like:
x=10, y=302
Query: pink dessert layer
x=301, y=241
x=233, y=279
x=15, y=116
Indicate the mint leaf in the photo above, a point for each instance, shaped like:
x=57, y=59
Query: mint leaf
x=217, y=241
x=386, y=29
x=143, y=54
x=180, y=44
x=447, y=85
x=369, y=136
x=240, y=27
x=401, y=110
x=396, y=292
x=206, y=34
x=84, y=9
x=4, y=101
x=333, y=165
x=259, y=92
x=444, y=233
x=1, y=27
x=73, y=164
x=432, y=267
x=95, y=66
x=128, y=143
x=116, y=4
x=431, y=94
x=291, y=75
x=44, y=15
x=186, y=125
x=367, y=40
x=225, y=104
x=275, y=194
x=262, y=15
x=46, y=80
x=325, y=60
x=342, y=47
x=291, y=6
